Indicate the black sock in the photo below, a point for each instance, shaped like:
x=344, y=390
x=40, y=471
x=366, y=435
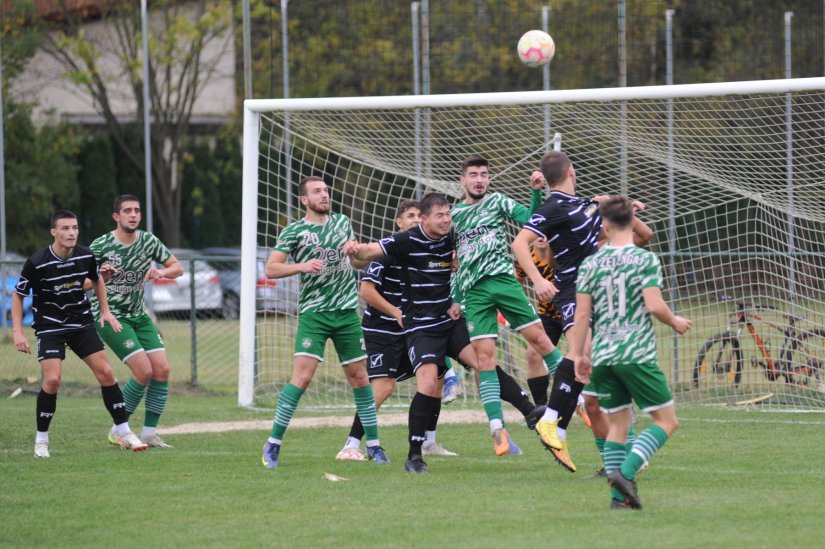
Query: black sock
x=435, y=411
x=357, y=429
x=113, y=400
x=565, y=391
x=46, y=406
x=538, y=388
x=421, y=409
x=512, y=392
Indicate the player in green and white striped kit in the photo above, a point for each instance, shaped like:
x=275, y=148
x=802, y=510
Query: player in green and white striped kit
x=621, y=285
x=131, y=251
x=485, y=282
x=320, y=244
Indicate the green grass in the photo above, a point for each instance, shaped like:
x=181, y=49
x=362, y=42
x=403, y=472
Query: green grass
x=727, y=478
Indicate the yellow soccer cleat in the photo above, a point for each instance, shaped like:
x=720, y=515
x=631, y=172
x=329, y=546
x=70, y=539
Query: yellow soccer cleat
x=562, y=457
x=549, y=434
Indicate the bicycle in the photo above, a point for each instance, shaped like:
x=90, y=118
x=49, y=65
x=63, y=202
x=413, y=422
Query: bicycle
x=722, y=354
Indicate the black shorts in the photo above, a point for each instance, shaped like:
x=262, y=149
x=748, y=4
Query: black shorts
x=552, y=327
x=565, y=302
x=387, y=356
x=83, y=341
x=431, y=345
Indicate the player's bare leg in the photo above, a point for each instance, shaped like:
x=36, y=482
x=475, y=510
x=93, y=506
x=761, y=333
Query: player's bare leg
x=480, y=357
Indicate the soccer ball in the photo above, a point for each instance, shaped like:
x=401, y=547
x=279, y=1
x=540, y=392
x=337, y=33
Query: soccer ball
x=536, y=48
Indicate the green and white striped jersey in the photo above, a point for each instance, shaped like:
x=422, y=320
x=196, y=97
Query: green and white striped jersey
x=622, y=326
x=124, y=291
x=482, y=242
x=334, y=288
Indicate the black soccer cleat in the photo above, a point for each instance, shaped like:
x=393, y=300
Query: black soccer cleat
x=601, y=473
x=416, y=464
x=534, y=416
x=617, y=504
x=627, y=488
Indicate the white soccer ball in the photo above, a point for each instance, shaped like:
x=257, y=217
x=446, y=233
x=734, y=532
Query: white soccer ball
x=536, y=48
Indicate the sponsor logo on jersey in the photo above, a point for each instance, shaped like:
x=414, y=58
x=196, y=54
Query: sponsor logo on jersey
x=537, y=219
x=64, y=265
x=67, y=286
x=591, y=210
x=438, y=264
x=375, y=269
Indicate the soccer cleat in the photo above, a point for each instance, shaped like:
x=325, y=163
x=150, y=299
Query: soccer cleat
x=452, y=390
x=155, y=441
x=435, y=449
x=130, y=441
x=627, y=488
x=350, y=454
x=377, y=454
x=617, y=504
x=549, y=434
x=112, y=437
x=501, y=441
x=416, y=464
x=41, y=450
x=601, y=473
x=514, y=450
x=582, y=412
x=272, y=451
x=534, y=416
x=643, y=468
x=562, y=457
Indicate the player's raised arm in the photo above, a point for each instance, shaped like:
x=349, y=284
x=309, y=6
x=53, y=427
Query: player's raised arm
x=659, y=309
x=521, y=249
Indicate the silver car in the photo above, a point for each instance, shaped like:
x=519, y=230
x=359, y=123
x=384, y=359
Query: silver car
x=167, y=295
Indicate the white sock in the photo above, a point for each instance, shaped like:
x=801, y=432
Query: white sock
x=123, y=428
x=562, y=433
x=353, y=442
x=373, y=443
x=41, y=436
x=496, y=424
x=429, y=438
x=550, y=414
x=274, y=441
x=149, y=431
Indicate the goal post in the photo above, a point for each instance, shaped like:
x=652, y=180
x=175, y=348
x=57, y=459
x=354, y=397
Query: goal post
x=733, y=175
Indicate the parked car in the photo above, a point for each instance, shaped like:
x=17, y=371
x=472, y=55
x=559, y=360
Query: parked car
x=10, y=265
x=279, y=295
x=173, y=295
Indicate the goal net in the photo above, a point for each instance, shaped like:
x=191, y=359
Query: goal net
x=733, y=176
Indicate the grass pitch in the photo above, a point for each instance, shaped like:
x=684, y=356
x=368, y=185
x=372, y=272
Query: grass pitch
x=727, y=478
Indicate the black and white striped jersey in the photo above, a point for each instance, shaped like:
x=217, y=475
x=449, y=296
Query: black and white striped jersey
x=571, y=225
x=60, y=304
x=426, y=264
x=387, y=277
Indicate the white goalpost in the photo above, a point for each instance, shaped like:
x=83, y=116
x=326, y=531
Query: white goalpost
x=733, y=175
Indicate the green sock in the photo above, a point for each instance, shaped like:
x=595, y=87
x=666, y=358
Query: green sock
x=651, y=439
x=365, y=406
x=490, y=391
x=157, y=393
x=600, y=446
x=552, y=360
x=285, y=409
x=614, y=455
x=631, y=438
x=132, y=394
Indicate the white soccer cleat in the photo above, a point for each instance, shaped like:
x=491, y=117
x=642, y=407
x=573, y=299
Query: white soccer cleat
x=130, y=441
x=350, y=454
x=41, y=450
x=435, y=449
x=112, y=437
x=155, y=441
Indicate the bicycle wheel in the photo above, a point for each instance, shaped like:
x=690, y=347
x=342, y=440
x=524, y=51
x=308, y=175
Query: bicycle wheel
x=808, y=358
x=719, y=358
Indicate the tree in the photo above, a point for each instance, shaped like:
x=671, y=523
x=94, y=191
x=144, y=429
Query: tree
x=185, y=42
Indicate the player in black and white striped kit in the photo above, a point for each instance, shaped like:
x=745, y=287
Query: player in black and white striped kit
x=63, y=317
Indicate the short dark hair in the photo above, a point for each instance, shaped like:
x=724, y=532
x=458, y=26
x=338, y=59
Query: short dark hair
x=302, y=186
x=554, y=166
x=61, y=214
x=618, y=210
x=432, y=200
x=474, y=160
x=406, y=205
x=121, y=199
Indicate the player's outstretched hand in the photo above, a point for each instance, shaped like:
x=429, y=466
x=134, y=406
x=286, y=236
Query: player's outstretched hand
x=545, y=289
x=537, y=180
x=681, y=324
x=454, y=311
x=152, y=274
x=312, y=266
x=583, y=368
x=351, y=247
x=21, y=343
x=106, y=272
x=111, y=320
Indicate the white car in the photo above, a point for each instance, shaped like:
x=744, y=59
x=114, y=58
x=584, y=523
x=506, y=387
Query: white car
x=166, y=295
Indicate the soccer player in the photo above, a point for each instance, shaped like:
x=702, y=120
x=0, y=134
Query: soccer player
x=131, y=251
x=320, y=244
x=485, y=282
x=63, y=317
x=384, y=291
x=572, y=226
x=434, y=324
x=621, y=286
